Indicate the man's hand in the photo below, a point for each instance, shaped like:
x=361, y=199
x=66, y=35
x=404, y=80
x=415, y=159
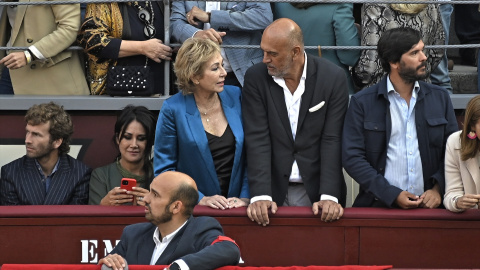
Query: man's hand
x=258, y=211
x=431, y=198
x=407, y=200
x=14, y=60
x=331, y=210
x=197, y=14
x=114, y=261
x=210, y=34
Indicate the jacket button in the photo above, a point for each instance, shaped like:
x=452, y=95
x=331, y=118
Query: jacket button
x=33, y=66
x=29, y=40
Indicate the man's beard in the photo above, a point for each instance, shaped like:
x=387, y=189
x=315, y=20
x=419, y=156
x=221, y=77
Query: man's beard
x=164, y=218
x=41, y=151
x=410, y=75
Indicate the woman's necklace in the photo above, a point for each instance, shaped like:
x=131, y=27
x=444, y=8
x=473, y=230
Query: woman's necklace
x=146, y=16
x=205, y=112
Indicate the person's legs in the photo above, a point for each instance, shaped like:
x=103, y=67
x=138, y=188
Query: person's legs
x=440, y=75
x=6, y=87
x=297, y=196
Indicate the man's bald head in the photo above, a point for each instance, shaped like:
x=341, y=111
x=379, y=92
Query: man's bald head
x=180, y=187
x=285, y=31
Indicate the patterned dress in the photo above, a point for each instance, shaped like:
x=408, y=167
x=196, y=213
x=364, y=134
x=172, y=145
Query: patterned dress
x=378, y=18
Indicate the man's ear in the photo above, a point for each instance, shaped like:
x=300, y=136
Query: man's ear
x=394, y=65
x=57, y=143
x=176, y=207
x=296, y=51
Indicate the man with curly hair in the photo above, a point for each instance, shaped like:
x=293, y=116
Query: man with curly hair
x=46, y=175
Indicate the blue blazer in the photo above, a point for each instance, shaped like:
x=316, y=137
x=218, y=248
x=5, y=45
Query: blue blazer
x=181, y=143
x=243, y=22
x=20, y=183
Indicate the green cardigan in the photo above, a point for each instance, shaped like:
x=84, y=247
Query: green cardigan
x=105, y=178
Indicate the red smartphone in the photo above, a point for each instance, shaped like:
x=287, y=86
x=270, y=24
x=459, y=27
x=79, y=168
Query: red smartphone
x=128, y=183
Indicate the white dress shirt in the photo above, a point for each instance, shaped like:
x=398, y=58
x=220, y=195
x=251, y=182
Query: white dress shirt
x=161, y=245
x=404, y=165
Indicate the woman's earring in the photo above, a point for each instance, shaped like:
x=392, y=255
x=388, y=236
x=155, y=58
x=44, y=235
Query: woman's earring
x=472, y=135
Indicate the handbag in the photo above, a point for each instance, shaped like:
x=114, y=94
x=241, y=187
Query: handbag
x=129, y=81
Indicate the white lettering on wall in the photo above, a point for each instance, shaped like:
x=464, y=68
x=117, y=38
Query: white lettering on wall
x=90, y=250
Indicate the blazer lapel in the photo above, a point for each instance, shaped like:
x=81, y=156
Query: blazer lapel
x=146, y=247
x=59, y=183
x=197, y=131
x=472, y=167
x=235, y=122
x=168, y=255
x=33, y=188
x=18, y=20
x=279, y=101
x=307, y=97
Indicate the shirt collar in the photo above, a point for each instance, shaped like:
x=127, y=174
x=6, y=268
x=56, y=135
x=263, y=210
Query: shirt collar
x=391, y=89
x=55, y=168
x=167, y=238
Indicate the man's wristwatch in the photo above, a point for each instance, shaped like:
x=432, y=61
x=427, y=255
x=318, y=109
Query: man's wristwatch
x=174, y=266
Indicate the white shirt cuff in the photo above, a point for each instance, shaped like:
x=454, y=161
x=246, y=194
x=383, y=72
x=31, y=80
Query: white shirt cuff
x=195, y=33
x=261, y=198
x=182, y=264
x=36, y=52
x=328, y=197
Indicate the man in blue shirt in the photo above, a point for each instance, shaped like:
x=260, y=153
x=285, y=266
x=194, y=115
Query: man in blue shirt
x=395, y=132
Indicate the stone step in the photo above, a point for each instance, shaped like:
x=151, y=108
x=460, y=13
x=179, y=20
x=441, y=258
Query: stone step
x=464, y=79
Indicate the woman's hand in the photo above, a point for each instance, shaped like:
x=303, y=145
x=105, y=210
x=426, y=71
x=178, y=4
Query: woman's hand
x=139, y=194
x=467, y=201
x=234, y=202
x=116, y=196
x=156, y=50
x=215, y=202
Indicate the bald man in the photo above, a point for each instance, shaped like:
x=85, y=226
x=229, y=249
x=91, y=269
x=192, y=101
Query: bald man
x=293, y=109
x=173, y=237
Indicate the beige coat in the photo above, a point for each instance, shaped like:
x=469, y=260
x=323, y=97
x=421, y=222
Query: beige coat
x=52, y=29
x=461, y=177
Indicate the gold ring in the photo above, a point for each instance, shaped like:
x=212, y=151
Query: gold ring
x=188, y=15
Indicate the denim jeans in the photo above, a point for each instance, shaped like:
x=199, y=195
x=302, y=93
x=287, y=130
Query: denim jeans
x=440, y=75
x=6, y=87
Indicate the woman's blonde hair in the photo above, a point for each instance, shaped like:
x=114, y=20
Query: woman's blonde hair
x=191, y=60
x=411, y=9
x=469, y=147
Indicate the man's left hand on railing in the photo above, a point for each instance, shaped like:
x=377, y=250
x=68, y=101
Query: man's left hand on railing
x=331, y=210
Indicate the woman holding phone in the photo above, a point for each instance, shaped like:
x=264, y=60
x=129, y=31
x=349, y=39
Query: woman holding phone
x=134, y=136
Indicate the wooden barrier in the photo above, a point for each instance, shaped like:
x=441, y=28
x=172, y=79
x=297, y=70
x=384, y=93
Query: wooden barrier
x=419, y=238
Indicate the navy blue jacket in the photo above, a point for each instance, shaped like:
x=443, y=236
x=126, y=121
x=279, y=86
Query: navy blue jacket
x=193, y=244
x=366, y=134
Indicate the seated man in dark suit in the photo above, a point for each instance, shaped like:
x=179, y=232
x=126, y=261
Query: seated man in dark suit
x=173, y=237
x=46, y=175
x=395, y=132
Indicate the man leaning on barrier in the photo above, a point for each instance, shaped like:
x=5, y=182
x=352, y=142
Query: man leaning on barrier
x=395, y=132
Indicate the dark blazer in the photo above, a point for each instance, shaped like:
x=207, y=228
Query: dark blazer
x=367, y=133
x=192, y=244
x=182, y=145
x=21, y=184
x=270, y=147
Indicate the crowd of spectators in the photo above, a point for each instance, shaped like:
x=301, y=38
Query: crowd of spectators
x=131, y=37
x=279, y=135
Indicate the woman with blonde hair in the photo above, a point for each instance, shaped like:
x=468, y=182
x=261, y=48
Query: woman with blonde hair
x=200, y=132
x=462, y=162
